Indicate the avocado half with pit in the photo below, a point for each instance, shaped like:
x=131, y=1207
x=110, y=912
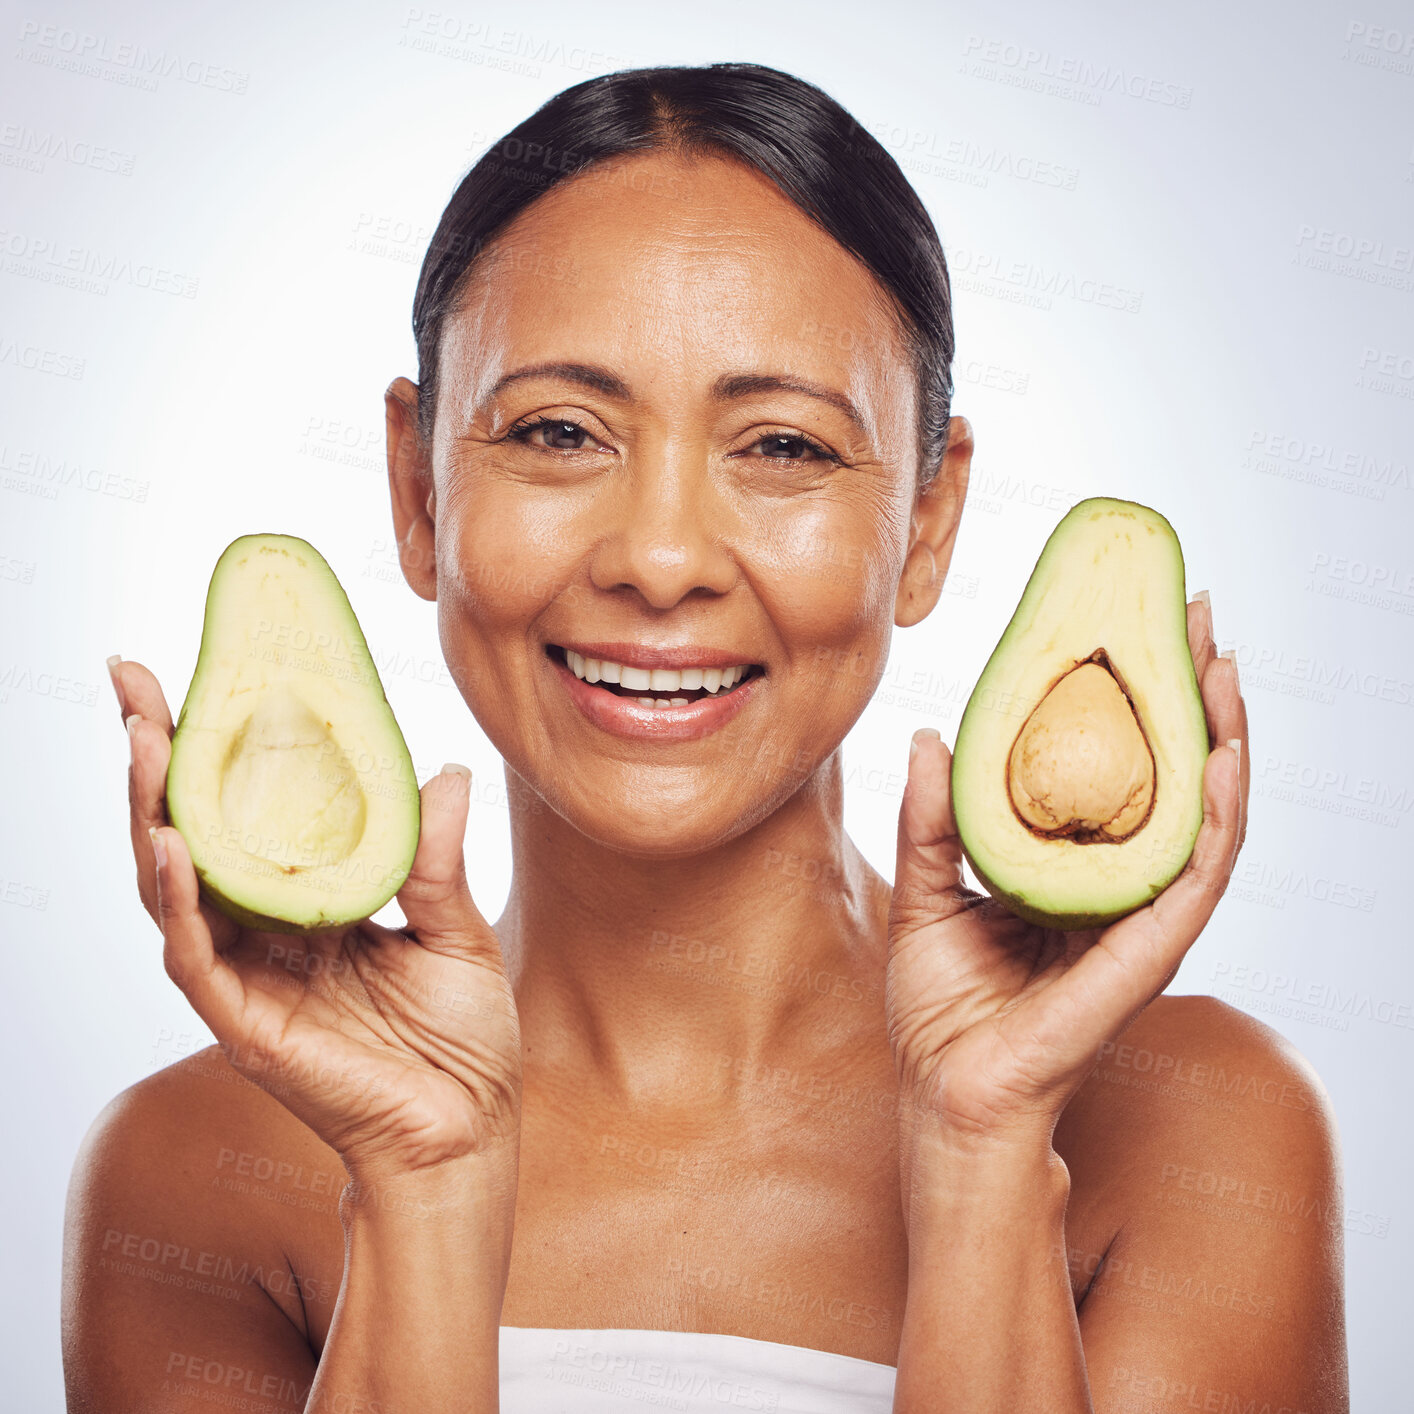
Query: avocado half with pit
x=1077, y=778
x=290, y=781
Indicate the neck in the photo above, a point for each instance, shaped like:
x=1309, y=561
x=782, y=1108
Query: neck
x=656, y=978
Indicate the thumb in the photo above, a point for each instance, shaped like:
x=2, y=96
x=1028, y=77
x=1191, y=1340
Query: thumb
x=928, y=882
x=435, y=897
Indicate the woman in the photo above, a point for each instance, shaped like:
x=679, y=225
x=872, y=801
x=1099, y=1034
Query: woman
x=679, y=458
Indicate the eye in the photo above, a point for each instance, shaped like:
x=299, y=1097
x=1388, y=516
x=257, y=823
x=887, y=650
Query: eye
x=561, y=435
x=792, y=446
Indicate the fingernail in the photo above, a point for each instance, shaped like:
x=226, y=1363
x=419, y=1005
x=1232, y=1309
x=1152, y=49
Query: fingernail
x=1231, y=655
x=1236, y=744
x=919, y=735
x=117, y=683
x=1203, y=595
x=159, y=847
x=455, y=768
x=131, y=721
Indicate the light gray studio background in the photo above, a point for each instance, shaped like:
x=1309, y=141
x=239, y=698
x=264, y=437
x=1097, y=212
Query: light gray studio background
x=1182, y=250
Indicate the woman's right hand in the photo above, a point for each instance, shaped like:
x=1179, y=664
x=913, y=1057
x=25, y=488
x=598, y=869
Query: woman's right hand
x=400, y=1048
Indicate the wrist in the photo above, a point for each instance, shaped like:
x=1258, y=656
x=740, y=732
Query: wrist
x=1024, y=1207
x=921, y=1123
x=476, y=1185
x=955, y=1171
x=426, y=1263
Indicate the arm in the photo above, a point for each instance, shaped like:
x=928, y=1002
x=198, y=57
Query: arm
x=989, y=1323
x=1224, y=1286
x=167, y=1297
x=418, y=1322
x=996, y=1025
x=175, y=1292
x=1221, y=1289
x=354, y=1047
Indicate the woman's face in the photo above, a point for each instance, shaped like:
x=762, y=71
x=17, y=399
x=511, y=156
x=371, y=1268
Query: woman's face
x=675, y=435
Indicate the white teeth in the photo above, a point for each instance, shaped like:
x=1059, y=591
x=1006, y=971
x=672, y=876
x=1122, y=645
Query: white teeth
x=667, y=681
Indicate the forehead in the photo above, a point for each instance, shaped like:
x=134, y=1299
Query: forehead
x=674, y=271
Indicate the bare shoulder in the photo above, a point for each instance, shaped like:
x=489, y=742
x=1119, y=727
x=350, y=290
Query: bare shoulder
x=179, y=1187
x=1196, y=1094
x=177, y=1134
x=1208, y=1227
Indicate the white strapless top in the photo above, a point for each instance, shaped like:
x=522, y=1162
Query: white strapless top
x=550, y=1371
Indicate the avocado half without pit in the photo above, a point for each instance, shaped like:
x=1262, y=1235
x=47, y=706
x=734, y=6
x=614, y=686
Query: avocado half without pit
x=1077, y=779
x=290, y=781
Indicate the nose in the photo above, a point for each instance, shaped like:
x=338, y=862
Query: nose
x=667, y=529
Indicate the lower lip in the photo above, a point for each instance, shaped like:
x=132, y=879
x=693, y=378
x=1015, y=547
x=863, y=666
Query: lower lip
x=623, y=716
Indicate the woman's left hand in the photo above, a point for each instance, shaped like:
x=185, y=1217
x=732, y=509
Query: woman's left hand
x=995, y=1023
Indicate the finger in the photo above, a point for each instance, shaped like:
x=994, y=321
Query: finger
x=435, y=897
x=1200, y=632
x=139, y=691
x=151, y=753
x=1182, y=910
x=206, y=979
x=1150, y=944
x=1227, y=721
x=928, y=879
x=1223, y=705
x=1238, y=732
x=1136, y=957
x=150, y=749
x=115, y=673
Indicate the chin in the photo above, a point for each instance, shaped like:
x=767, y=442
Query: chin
x=665, y=824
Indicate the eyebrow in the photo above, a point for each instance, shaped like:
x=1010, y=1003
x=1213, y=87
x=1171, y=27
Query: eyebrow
x=727, y=388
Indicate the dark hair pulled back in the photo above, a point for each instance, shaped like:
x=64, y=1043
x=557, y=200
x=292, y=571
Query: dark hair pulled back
x=789, y=130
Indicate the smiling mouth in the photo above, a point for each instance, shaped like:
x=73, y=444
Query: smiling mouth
x=655, y=687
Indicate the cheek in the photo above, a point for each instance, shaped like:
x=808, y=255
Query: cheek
x=832, y=593
x=502, y=555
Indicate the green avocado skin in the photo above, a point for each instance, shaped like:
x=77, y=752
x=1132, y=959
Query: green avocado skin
x=246, y=917
x=1065, y=922
x=259, y=921
x=1185, y=686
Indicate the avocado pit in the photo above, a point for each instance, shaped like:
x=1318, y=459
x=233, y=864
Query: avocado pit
x=1081, y=767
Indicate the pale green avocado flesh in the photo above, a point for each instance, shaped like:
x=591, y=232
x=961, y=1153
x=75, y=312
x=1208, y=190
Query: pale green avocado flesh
x=290, y=781
x=1107, y=589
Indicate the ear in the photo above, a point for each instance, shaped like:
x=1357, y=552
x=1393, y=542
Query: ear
x=936, y=512
x=414, y=495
